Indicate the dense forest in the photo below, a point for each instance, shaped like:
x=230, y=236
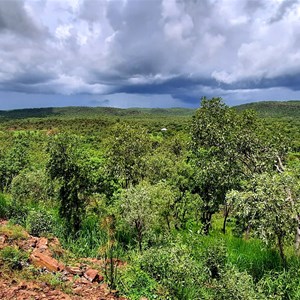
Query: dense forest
x=197, y=204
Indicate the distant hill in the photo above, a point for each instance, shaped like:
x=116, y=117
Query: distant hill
x=93, y=112
x=273, y=109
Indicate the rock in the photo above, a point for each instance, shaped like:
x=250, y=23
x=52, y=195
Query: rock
x=55, y=242
x=82, y=280
x=61, y=266
x=32, y=242
x=42, y=244
x=74, y=270
x=77, y=290
x=44, y=261
x=3, y=239
x=93, y=276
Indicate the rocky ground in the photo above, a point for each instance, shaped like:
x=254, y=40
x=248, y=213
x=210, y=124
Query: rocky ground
x=43, y=275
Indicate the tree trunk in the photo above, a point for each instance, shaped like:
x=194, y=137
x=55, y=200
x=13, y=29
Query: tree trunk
x=281, y=251
x=226, y=214
x=206, y=221
x=168, y=223
x=139, y=229
x=248, y=229
x=297, y=238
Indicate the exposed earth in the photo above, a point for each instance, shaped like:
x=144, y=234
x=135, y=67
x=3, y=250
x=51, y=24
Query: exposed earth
x=43, y=275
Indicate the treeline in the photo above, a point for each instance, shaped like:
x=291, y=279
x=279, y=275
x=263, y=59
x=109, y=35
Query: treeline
x=207, y=209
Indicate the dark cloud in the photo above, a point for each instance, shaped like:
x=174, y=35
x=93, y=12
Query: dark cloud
x=98, y=51
x=14, y=19
x=253, y=6
x=284, y=7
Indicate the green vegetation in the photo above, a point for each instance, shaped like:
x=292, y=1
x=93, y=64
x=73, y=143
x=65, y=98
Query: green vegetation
x=207, y=209
x=274, y=109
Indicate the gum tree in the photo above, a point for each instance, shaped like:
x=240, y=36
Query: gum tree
x=126, y=148
x=66, y=166
x=270, y=203
x=227, y=147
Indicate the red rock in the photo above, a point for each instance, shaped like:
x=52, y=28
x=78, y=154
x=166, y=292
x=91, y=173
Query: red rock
x=3, y=239
x=74, y=271
x=93, y=275
x=77, y=290
x=42, y=260
x=61, y=266
x=55, y=242
x=32, y=241
x=81, y=280
x=42, y=244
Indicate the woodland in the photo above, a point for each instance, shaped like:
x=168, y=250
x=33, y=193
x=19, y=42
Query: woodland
x=197, y=204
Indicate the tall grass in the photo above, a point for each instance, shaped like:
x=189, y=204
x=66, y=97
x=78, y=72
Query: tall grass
x=87, y=241
x=252, y=256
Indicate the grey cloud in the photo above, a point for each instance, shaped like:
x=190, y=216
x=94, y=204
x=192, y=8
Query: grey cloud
x=14, y=18
x=252, y=6
x=177, y=49
x=91, y=10
x=283, y=8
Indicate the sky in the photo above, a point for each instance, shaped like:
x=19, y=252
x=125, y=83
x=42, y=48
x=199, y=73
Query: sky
x=147, y=53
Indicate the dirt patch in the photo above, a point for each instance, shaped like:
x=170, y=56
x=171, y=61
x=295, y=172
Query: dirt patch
x=76, y=281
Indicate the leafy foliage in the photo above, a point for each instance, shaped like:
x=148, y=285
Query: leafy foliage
x=111, y=184
x=66, y=166
x=39, y=222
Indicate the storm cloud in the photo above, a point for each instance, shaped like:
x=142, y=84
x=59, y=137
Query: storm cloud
x=132, y=53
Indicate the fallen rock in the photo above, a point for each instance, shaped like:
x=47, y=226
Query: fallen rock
x=93, y=276
x=81, y=280
x=74, y=270
x=42, y=244
x=3, y=239
x=32, y=242
x=44, y=261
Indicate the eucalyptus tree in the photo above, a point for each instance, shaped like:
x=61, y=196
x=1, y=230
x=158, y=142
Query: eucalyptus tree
x=146, y=208
x=227, y=147
x=67, y=165
x=271, y=204
x=126, y=147
x=13, y=160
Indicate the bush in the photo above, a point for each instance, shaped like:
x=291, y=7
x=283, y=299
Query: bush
x=33, y=186
x=175, y=269
x=135, y=283
x=281, y=285
x=214, y=259
x=39, y=222
x=3, y=207
x=13, y=257
x=235, y=285
x=18, y=213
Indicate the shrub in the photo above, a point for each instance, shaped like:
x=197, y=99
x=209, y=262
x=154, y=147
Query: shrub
x=135, y=283
x=3, y=206
x=235, y=285
x=281, y=285
x=13, y=257
x=17, y=213
x=39, y=222
x=214, y=259
x=175, y=269
x=33, y=186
